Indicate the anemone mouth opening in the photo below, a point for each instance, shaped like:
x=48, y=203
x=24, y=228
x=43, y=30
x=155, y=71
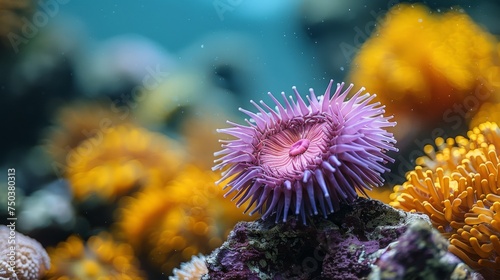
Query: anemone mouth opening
x=297, y=145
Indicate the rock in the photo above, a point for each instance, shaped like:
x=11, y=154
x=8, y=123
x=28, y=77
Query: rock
x=344, y=246
x=421, y=253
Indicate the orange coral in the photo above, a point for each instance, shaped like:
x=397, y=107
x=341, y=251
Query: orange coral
x=76, y=123
x=99, y=258
x=478, y=243
x=186, y=217
x=138, y=214
x=485, y=136
x=458, y=187
x=382, y=193
x=488, y=112
x=437, y=195
x=422, y=64
x=124, y=158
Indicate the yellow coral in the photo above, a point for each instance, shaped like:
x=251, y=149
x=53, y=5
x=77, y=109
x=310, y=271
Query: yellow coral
x=186, y=217
x=379, y=193
x=458, y=187
x=124, y=158
x=478, y=243
x=485, y=136
x=420, y=64
x=453, y=150
x=99, y=258
x=78, y=122
x=139, y=213
x=488, y=112
x=441, y=197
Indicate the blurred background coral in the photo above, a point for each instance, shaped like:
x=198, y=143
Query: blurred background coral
x=109, y=110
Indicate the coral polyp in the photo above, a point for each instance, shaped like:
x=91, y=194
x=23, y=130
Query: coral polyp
x=457, y=186
x=122, y=159
x=77, y=122
x=488, y=112
x=298, y=156
x=101, y=257
x=422, y=63
x=478, y=243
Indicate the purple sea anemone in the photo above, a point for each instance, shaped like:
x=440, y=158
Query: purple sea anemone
x=298, y=156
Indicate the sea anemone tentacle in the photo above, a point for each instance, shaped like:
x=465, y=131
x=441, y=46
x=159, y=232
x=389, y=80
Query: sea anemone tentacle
x=297, y=157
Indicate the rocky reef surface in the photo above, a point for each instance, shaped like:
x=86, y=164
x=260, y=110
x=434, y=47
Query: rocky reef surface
x=364, y=240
